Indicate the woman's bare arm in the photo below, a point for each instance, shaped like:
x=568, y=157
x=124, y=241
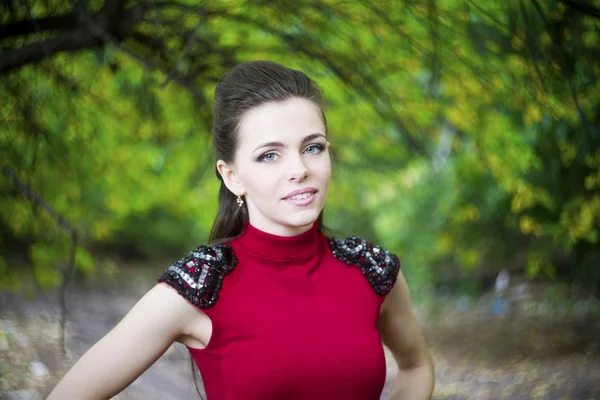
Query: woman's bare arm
x=401, y=333
x=158, y=319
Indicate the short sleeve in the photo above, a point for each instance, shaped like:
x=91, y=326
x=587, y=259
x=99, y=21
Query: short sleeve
x=198, y=277
x=377, y=264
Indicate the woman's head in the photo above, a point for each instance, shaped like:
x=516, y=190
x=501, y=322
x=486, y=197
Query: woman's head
x=270, y=138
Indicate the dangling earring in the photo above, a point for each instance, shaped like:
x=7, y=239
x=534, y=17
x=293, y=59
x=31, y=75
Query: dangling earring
x=240, y=202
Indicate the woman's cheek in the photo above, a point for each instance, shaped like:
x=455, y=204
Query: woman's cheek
x=325, y=168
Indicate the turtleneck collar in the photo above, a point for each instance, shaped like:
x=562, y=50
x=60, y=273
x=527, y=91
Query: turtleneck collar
x=285, y=248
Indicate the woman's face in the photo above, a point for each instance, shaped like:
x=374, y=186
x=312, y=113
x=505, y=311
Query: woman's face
x=281, y=166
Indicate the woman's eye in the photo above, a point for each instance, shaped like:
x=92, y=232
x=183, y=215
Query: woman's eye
x=268, y=157
x=314, y=149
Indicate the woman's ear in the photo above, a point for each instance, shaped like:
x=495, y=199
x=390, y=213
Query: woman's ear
x=230, y=178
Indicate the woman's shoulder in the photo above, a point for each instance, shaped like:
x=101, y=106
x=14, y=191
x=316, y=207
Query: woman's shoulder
x=378, y=265
x=199, y=275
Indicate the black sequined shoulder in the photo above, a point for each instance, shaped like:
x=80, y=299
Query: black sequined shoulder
x=198, y=277
x=378, y=265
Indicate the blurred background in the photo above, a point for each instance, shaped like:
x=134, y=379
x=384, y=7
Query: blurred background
x=465, y=138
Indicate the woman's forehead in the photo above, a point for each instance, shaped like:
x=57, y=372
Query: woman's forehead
x=287, y=121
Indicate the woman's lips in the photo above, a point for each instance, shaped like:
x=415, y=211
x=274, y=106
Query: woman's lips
x=301, y=200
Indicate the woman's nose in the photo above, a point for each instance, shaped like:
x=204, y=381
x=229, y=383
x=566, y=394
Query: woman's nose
x=298, y=170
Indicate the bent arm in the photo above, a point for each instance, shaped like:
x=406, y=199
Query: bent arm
x=401, y=333
x=114, y=362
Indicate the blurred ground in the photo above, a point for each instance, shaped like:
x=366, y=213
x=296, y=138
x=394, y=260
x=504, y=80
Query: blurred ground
x=522, y=358
x=479, y=355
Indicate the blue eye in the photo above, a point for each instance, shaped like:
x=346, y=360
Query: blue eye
x=268, y=157
x=314, y=149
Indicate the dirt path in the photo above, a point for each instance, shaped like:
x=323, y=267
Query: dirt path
x=477, y=356
x=532, y=358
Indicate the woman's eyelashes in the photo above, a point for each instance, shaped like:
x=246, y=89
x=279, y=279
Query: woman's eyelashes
x=267, y=157
x=270, y=156
x=315, y=148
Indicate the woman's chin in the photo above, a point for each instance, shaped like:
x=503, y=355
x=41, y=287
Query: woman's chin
x=302, y=219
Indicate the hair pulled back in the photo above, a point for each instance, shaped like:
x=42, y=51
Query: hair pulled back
x=244, y=87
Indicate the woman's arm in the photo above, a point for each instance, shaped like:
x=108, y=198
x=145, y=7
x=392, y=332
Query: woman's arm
x=159, y=318
x=401, y=333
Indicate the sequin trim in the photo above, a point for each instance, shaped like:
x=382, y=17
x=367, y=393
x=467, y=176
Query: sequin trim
x=378, y=265
x=198, y=277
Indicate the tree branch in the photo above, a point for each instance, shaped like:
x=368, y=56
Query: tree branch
x=71, y=41
x=185, y=81
x=587, y=9
x=530, y=44
x=88, y=34
x=31, y=26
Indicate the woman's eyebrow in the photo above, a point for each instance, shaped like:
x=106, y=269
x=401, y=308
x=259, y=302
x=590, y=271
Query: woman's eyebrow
x=279, y=144
x=313, y=136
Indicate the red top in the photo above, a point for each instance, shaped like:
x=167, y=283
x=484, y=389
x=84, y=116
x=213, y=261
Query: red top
x=292, y=322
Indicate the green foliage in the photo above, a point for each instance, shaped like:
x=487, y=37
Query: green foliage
x=464, y=133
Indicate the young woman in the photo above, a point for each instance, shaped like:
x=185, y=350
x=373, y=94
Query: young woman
x=272, y=309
